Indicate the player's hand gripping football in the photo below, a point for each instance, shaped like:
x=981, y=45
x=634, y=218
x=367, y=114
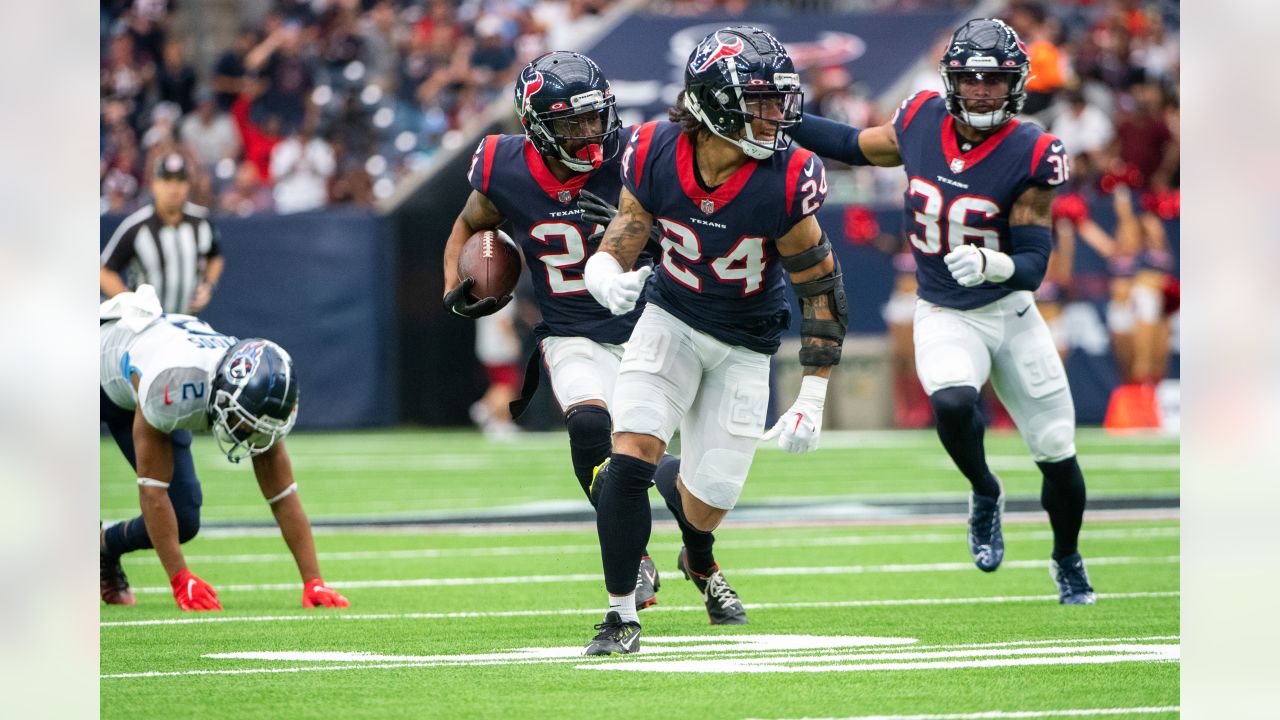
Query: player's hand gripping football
x=799, y=427
x=456, y=301
x=316, y=594
x=192, y=593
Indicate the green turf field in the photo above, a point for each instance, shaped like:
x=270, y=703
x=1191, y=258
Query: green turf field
x=884, y=617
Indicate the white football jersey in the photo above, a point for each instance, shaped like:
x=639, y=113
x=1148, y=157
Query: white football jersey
x=173, y=359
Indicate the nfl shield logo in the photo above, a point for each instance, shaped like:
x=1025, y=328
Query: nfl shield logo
x=957, y=165
x=708, y=207
x=564, y=196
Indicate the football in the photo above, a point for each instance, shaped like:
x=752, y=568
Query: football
x=492, y=258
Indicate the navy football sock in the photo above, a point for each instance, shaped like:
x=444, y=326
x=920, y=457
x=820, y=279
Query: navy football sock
x=696, y=542
x=960, y=429
x=1062, y=495
x=623, y=520
x=590, y=441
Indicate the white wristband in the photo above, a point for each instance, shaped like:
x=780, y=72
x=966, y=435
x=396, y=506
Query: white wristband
x=999, y=267
x=813, y=388
x=596, y=274
x=293, y=488
x=151, y=482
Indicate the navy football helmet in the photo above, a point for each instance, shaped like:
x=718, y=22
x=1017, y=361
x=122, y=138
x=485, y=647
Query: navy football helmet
x=567, y=109
x=980, y=47
x=732, y=76
x=255, y=398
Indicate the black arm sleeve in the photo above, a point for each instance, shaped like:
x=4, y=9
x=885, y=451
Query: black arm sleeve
x=1031, y=247
x=829, y=139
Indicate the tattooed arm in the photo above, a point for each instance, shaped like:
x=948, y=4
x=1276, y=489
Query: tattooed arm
x=628, y=231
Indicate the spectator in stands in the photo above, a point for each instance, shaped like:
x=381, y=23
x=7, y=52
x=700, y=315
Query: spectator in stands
x=164, y=116
x=258, y=141
x=1031, y=22
x=1143, y=137
x=1082, y=127
x=382, y=37
x=494, y=55
x=229, y=72
x=279, y=60
x=210, y=133
x=247, y=194
x=175, y=78
x=301, y=166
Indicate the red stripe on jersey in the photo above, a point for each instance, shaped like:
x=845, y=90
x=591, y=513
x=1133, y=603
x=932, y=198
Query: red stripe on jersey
x=952, y=151
x=798, y=161
x=548, y=182
x=915, y=106
x=1038, y=152
x=721, y=196
x=490, y=149
x=642, y=147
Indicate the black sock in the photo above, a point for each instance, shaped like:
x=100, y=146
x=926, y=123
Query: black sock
x=960, y=428
x=623, y=520
x=696, y=542
x=1062, y=495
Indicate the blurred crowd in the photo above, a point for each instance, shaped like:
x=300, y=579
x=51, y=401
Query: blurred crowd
x=314, y=102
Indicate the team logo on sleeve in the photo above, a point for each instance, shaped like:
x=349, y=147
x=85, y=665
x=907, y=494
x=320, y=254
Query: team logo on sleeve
x=720, y=51
x=244, y=363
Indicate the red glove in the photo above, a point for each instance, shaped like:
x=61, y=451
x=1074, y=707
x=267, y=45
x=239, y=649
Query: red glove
x=316, y=594
x=192, y=593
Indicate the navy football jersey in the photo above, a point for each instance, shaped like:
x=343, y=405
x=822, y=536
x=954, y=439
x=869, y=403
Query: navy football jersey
x=719, y=270
x=547, y=225
x=956, y=197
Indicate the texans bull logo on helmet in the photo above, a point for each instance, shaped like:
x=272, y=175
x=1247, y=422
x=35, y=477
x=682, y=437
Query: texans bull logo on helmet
x=531, y=87
x=722, y=50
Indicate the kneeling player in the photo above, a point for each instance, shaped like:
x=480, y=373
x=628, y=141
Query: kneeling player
x=163, y=376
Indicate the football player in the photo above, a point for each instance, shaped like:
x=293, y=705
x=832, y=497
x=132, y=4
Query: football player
x=164, y=376
x=978, y=219
x=569, y=151
x=735, y=207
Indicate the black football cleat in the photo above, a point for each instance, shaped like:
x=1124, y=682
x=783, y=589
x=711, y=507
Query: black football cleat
x=1072, y=581
x=723, y=605
x=986, y=541
x=614, y=637
x=647, y=584
x=112, y=582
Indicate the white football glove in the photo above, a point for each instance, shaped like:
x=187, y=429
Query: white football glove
x=616, y=290
x=798, y=428
x=971, y=265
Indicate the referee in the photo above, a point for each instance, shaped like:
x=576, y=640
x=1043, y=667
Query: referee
x=168, y=244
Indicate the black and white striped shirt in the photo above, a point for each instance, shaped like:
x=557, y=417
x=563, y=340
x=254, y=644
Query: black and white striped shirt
x=171, y=258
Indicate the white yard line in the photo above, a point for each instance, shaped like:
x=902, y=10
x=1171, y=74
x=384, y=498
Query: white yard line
x=737, y=572
x=1015, y=714
x=592, y=549
x=324, y=615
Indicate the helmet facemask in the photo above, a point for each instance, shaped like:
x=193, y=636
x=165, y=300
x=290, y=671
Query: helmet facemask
x=1010, y=103
x=730, y=112
x=239, y=433
x=583, y=135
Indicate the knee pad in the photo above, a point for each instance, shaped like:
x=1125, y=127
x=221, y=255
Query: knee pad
x=188, y=522
x=1051, y=438
x=955, y=403
x=590, y=440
